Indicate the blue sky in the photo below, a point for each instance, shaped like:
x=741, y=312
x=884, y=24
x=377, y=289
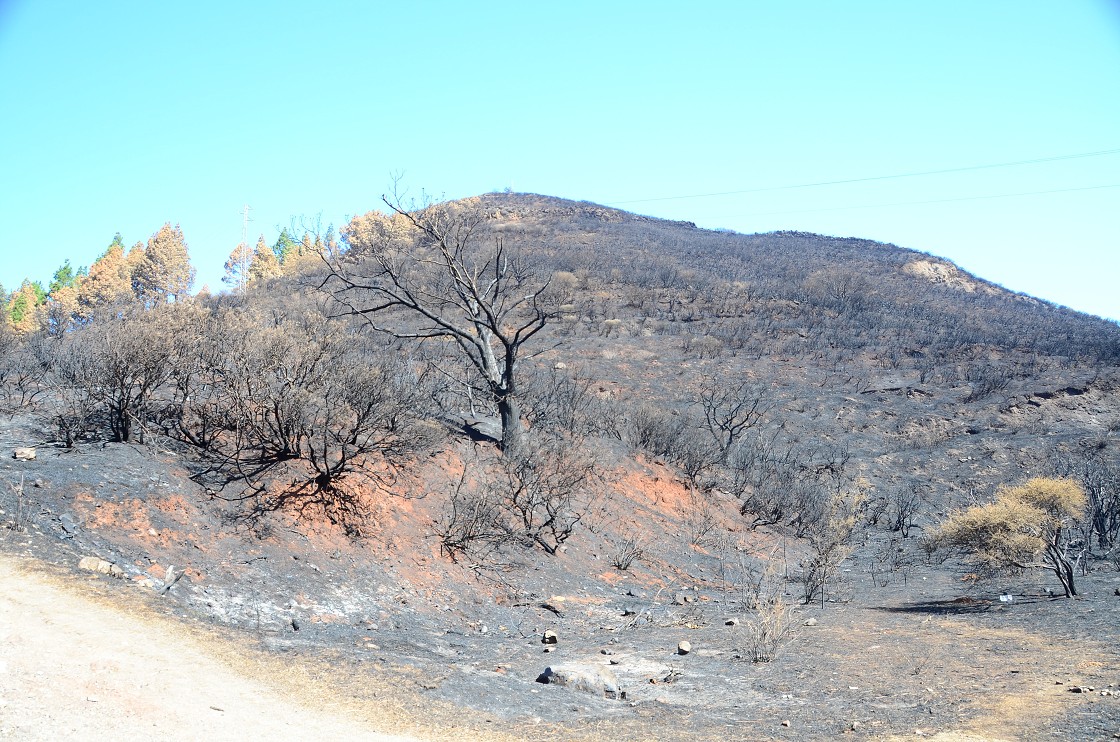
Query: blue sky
x=119, y=116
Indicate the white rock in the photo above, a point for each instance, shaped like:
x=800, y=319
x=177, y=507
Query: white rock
x=594, y=679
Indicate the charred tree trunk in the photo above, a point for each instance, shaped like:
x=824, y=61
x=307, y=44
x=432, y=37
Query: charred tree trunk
x=510, y=412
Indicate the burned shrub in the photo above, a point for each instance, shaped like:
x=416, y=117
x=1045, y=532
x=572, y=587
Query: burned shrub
x=304, y=413
x=533, y=494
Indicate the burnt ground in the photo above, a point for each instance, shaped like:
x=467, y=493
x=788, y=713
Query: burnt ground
x=916, y=653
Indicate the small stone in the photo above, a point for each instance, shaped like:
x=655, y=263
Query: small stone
x=684, y=647
x=549, y=649
x=855, y=726
x=24, y=453
x=811, y=622
x=731, y=622
x=549, y=637
x=614, y=661
x=1077, y=689
x=153, y=532
x=785, y=722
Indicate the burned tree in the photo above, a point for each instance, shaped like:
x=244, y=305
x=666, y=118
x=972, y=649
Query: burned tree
x=440, y=272
x=1030, y=526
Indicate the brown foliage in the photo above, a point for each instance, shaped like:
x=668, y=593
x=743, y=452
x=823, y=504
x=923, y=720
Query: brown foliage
x=164, y=273
x=109, y=281
x=1023, y=525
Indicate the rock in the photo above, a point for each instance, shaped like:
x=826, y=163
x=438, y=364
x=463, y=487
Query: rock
x=549, y=649
x=594, y=679
x=811, y=622
x=1116, y=591
x=785, y=722
x=680, y=599
x=731, y=622
x=69, y=525
x=24, y=453
x=549, y=637
x=684, y=647
x=855, y=726
x=101, y=566
x=1077, y=689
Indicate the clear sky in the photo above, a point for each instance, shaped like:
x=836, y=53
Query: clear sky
x=120, y=116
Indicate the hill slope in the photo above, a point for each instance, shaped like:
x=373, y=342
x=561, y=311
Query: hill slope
x=865, y=376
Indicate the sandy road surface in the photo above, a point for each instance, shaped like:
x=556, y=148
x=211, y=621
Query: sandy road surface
x=73, y=667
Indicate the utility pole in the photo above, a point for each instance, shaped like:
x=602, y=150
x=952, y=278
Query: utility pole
x=244, y=257
x=244, y=223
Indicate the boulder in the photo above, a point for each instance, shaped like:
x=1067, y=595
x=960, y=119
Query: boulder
x=24, y=453
x=101, y=566
x=549, y=637
x=597, y=680
x=684, y=647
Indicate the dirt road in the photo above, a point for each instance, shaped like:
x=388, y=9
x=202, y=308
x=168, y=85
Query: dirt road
x=75, y=667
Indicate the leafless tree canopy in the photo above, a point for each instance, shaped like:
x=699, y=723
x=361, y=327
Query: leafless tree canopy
x=437, y=273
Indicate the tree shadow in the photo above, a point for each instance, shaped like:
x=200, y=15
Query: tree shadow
x=956, y=606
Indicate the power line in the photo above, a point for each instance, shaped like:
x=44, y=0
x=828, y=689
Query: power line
x=936, y=201
x=1035, y=161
